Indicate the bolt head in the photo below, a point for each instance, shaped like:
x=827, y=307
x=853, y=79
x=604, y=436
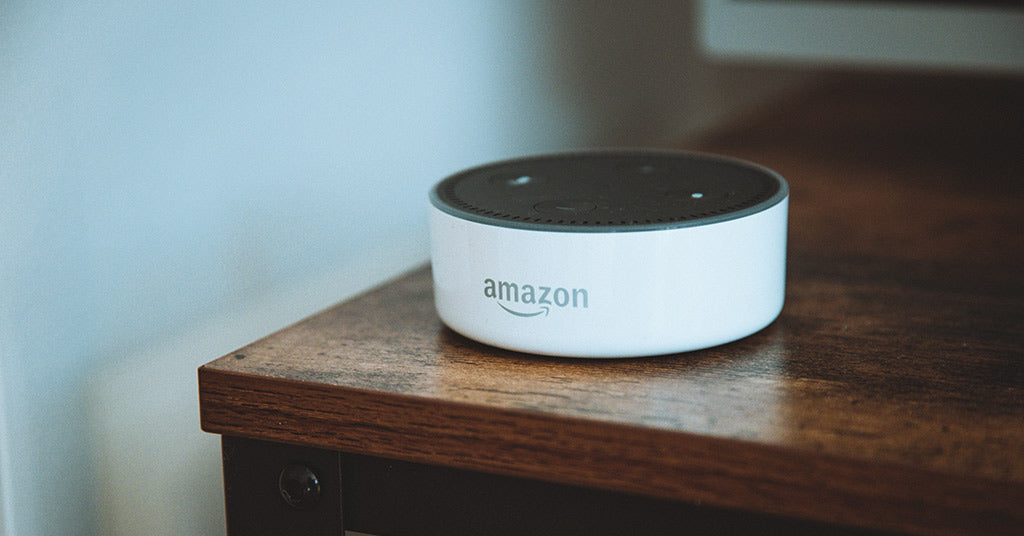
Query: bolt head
x=299, y=486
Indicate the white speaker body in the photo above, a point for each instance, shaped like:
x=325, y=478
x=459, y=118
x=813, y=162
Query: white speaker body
x=619, y=290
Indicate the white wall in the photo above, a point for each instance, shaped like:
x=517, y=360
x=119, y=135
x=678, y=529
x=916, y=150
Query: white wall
x=168, y=167
x=177, y=179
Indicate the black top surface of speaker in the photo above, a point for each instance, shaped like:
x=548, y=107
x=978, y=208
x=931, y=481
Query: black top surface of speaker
x=610, y=191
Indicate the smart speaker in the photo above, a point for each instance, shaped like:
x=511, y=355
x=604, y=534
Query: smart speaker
x=617, y=253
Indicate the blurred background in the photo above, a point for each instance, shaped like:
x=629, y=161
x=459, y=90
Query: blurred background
x=179, y=179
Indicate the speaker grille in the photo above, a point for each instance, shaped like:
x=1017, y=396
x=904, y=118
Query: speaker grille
x=609, y=191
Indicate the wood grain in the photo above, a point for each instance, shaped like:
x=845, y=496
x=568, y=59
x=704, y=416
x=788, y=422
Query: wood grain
x=888, y=395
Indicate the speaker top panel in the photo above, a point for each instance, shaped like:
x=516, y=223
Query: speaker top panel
x=610, y=191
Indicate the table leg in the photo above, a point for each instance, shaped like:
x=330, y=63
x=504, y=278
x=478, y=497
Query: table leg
x=276, y=489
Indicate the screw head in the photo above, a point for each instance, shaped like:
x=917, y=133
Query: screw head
x=299, y=486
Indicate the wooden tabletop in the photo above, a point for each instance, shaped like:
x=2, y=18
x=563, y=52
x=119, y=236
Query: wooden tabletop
x=889, y=394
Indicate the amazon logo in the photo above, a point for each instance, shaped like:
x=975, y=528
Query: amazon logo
x=531, y=300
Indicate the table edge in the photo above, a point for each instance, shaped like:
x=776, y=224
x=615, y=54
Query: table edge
x=668, y=464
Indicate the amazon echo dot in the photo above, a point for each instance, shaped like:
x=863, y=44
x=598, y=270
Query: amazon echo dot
x=609, y=253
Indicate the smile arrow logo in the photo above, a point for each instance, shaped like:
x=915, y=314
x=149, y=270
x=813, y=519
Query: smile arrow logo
x=544, y=311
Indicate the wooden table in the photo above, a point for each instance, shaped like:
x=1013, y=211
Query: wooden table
x=889, y=395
